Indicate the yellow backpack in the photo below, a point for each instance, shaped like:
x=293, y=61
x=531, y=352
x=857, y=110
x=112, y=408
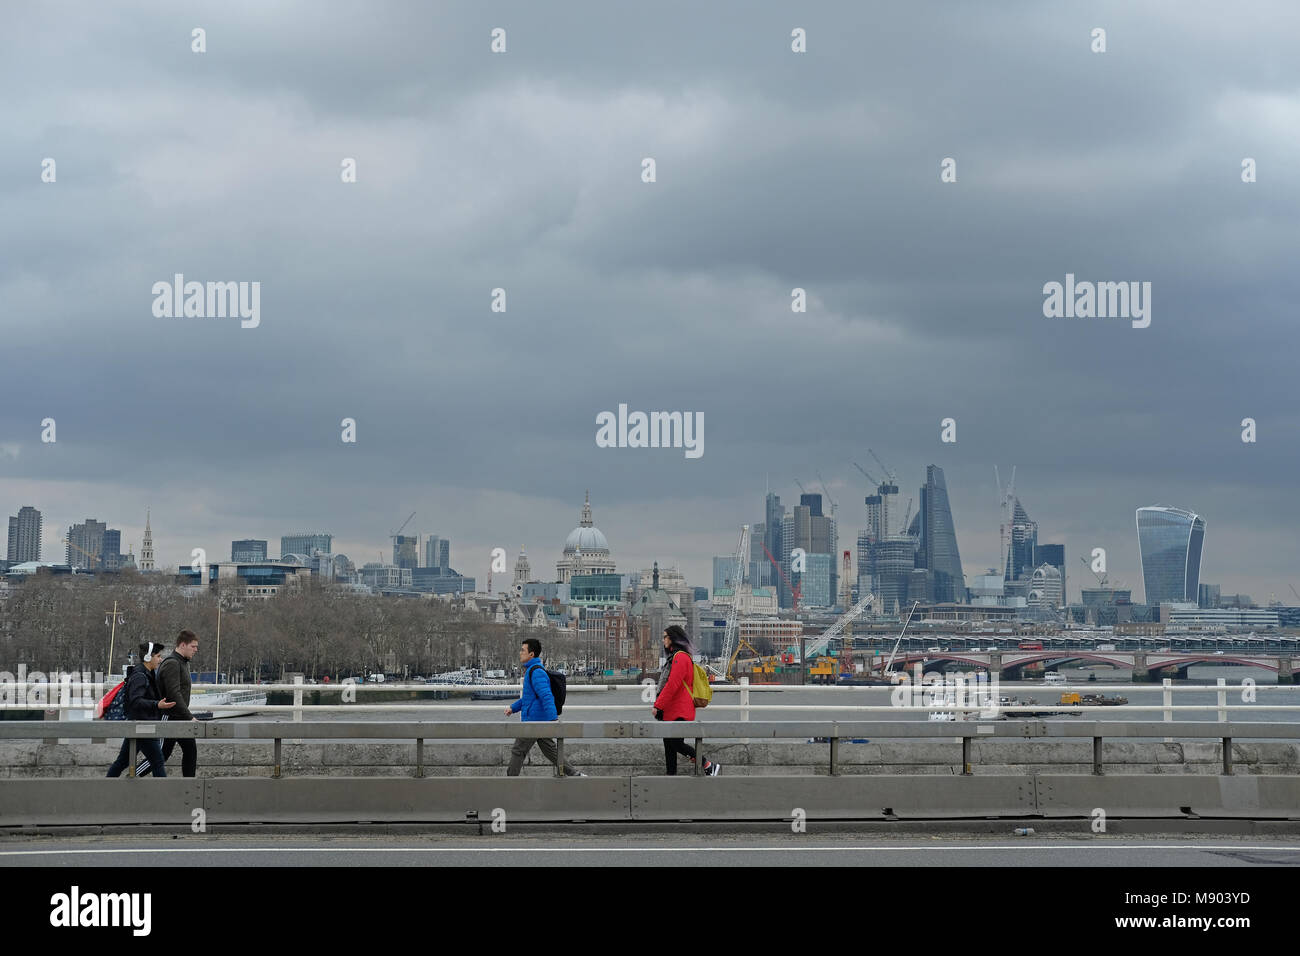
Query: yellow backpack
x=701, y=692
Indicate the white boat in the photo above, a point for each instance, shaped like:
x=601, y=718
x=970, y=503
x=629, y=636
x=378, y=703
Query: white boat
x=202, y=699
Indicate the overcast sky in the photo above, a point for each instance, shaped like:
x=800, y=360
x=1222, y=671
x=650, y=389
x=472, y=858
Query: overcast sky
x=775, y=170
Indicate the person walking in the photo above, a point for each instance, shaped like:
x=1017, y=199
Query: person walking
x=143, y=702
x=536, y=703
x=675, y=700
x=174, y=685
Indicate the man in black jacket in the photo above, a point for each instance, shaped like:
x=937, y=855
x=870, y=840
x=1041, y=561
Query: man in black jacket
x=174, y=685
x=143, y=703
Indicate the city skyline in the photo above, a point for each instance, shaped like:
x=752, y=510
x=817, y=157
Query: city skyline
x=847, y=540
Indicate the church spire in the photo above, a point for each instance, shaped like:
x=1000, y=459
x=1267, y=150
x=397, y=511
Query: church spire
x=146, y=546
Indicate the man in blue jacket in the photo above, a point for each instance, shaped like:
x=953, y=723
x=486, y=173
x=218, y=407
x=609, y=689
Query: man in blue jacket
x=537, y=703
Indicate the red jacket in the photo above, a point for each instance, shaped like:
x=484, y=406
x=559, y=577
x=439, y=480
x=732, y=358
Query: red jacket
x=676, y=699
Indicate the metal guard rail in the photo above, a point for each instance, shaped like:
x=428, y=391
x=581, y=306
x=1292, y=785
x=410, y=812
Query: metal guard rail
x=831, y=731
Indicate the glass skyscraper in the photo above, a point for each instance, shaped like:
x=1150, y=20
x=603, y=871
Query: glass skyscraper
x=1170, y=541
x=939, y=552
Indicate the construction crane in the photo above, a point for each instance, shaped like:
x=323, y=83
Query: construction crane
x=907, y=515
x=802, y=489
x=846, y=597
x=865, y=473
x=876, y=530
x=403, y=527
x=827, y=494
x=822, y=641
x=1101, y=578
x=94, y=558
x=1006, y=499
x=794, y=588
x=889, y=472
x=890, y=662
x=886, y=488
x=733, y=614
x=1294, y=591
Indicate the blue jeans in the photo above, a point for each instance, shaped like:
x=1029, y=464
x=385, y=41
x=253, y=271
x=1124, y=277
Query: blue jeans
x=149, y=746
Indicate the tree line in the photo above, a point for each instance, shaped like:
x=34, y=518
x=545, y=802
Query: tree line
x=59, y=623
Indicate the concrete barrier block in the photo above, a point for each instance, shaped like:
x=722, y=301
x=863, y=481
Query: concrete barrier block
x=103, y=801
x=441, y=800
x=851, y=797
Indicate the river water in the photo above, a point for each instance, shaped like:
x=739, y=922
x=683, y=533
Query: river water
x=804, y=703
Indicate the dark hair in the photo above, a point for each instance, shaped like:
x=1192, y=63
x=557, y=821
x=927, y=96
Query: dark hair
x=534, y=645
x=677, y=634
x=144, y=650
x=186, y=637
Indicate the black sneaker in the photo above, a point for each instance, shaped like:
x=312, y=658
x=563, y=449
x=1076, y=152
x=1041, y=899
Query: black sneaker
x=713, y=768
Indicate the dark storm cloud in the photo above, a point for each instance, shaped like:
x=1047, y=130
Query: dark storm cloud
x=774, y=171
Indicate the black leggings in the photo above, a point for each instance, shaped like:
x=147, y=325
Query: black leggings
x=674, y=746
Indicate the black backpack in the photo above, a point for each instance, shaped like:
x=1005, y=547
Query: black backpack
x=559, y=687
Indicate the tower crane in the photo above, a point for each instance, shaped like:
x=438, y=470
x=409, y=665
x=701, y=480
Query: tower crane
x=822, y=641
x=1101, y=577
x=907, y=515
x=402, y=528
x=794, y=588
x=733, y=615
x=886, y=488
x=865, y=473
x=827, y=494
x=94, y=558
x=1006, y=497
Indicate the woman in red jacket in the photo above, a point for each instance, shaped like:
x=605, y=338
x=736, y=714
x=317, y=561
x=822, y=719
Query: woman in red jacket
x=675, y=700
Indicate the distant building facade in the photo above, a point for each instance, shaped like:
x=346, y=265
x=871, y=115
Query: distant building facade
x=248, y=551
x=25, y=536
x=306, y=543
x=1170, y=541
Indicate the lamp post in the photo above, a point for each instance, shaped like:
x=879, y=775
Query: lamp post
x=111, y=620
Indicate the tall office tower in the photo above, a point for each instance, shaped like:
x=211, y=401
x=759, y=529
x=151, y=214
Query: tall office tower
x=760, y=569
x=1053, y=554
x=773, y=526
x=110, y=558
x=938, y=540
x=84, y=544
x=1207, y=595
x=724, y=569
x=248, y=551
x=305, y=543
x=1020, y=551
x=808, y=528
x=146, y=547
x=406, y=551
x=25, y=536
x=875, y=529
x=1170, y=541
x=432, y=551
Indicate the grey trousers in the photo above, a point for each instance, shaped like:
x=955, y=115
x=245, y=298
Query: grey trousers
x=519, y=752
